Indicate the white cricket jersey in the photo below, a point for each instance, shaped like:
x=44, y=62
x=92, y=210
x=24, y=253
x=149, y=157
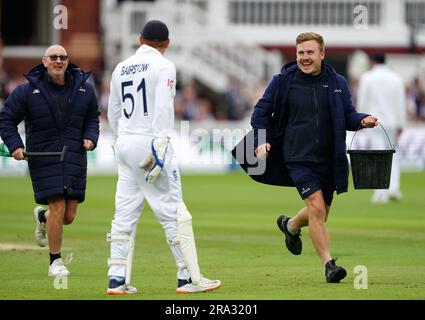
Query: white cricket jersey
x=382, y=94
x=142, y=94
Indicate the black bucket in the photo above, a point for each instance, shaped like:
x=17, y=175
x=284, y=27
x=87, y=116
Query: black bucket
x=371, y=169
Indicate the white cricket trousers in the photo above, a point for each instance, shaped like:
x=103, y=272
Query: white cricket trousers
x=163, y=196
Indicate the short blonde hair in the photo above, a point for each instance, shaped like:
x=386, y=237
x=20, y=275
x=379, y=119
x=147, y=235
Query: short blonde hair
x=306, y=36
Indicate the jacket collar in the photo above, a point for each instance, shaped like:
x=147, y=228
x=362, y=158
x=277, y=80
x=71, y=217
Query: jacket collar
x=37, y=73
x=292, y=67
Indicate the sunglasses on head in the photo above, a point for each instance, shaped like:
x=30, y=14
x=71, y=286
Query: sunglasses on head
x=55, y=57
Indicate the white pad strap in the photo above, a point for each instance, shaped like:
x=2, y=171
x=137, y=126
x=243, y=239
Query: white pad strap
x=187, y=242
x=180, y=264
x=130, y=255
x=117, y=261
x=128, y=262
x=111, y=237
x=175, y=245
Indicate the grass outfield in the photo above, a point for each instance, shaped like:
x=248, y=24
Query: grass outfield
x=238, y=242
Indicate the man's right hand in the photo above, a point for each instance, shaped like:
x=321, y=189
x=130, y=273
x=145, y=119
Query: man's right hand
x=18, y=154
x=262, y=152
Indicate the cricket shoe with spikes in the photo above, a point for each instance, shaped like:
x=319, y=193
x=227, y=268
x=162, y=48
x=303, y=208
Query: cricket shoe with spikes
x=204, y=285
x=119, y=288
x=40, y=228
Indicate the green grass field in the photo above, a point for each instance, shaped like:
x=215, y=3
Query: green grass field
x=237, y=239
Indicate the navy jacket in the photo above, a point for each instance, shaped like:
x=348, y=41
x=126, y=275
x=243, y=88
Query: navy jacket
x=270, y=114
x=48, y=129
x=308, y=135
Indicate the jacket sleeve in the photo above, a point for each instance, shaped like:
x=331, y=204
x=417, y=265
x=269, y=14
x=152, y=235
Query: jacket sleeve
x=91, y=128
x=11, y=115
x=352, y=118
x=263, y=110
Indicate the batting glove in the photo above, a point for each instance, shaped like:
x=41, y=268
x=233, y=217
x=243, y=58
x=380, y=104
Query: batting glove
x=154, y=162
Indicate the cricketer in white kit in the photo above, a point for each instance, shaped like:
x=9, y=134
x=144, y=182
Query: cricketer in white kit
x=141, y=116
x=382, y=93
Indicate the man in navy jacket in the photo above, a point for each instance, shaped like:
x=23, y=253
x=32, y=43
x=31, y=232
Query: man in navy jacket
x=305, y=112
x=59, y=109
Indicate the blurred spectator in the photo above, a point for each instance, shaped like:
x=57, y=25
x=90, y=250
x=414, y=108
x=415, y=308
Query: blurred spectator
x=416, y=100
x=189, y=105
x=257, y=92
x=104, y=99
x=4, y=79
x=204, y=110
x=236, y=104
x=186, y=102
x=382, y=93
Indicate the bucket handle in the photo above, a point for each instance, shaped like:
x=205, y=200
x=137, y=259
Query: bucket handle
x=358, y=129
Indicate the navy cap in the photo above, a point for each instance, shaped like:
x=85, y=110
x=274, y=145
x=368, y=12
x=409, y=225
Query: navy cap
x=155, y=30
x=378, y=57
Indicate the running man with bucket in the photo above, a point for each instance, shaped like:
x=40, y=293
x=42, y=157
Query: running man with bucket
x=306, y=110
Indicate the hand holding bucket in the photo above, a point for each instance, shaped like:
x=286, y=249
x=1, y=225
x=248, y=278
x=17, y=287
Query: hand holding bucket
x=371, y=168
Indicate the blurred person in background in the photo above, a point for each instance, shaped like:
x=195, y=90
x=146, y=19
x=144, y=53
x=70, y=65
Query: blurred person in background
x=382, y=93
x=234, y=99
x=186, y=101
x=416, y=101
x=4, y=79
x=104, y=98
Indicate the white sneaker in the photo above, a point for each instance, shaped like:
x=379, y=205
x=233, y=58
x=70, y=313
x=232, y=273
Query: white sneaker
x=203, y=286
x=40, y=229
x=122, y=289
x=57, y=268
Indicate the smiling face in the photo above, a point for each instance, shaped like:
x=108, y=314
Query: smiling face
x=310, y=57
x=56, y=61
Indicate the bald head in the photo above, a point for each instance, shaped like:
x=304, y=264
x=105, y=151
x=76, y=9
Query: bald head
x=55, y=48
